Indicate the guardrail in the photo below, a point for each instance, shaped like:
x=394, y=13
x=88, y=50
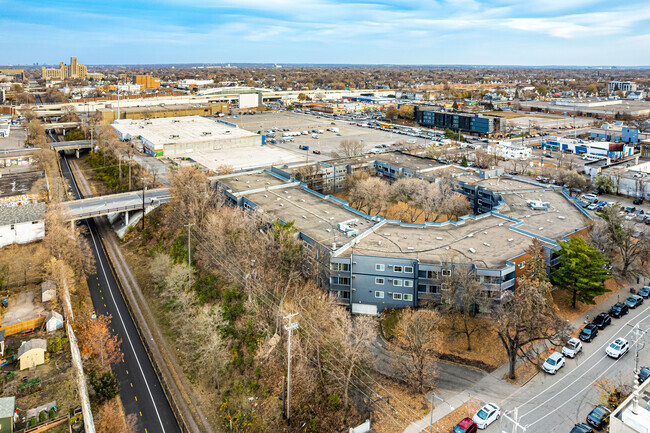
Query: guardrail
x=105, y=212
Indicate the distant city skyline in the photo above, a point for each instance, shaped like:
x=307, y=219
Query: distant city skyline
x=444, y=32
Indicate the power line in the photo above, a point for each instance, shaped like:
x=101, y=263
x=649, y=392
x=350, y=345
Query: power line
x=271, y=295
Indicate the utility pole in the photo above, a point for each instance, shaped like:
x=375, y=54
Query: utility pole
x=189, y=254
x=143, y=190
x=290, y=326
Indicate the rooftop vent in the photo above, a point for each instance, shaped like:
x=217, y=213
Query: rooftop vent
x=386, y=234
x=378, y=242
x=510, y=240
x=304, y=217
x=561, y=217
x=410, y=248
x=486, y=244
x=472, y=250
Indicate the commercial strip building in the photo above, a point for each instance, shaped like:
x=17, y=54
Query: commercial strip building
x=602, y=149
x=630, y=176
x=618, y=132
x=184, y=136
x=458, y=121
x=371, y=263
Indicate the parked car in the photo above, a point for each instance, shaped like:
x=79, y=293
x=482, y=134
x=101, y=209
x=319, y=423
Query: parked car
x=581, y=428
x=637, y=201
x=487, y=415
x=603, y=320
x=634, y=301
x=618, y=348
x=644, y=374
x=553, y=363
x=599, y=417
x=465, y=426
x=630, y=209
x=644, y=292
x=618, y=310
x=588, y=333
x=572, y=348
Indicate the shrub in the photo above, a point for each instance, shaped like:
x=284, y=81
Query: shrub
x=32, y=421
x=106, y=386
x=52, y=413
x=334, y=401
x=42, y=416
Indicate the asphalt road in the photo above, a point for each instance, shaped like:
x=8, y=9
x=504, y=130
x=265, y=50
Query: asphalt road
x=140, y=389
x=550, y=404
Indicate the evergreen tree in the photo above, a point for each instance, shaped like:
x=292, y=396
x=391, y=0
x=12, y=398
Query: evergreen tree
x=582, y=271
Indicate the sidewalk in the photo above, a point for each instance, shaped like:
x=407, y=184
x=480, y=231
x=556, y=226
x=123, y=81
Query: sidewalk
x=491, y=388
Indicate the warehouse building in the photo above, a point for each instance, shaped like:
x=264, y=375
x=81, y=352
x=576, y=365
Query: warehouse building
x=161, y=111
x=371, y=263
x=458, y=121
x=185, y=136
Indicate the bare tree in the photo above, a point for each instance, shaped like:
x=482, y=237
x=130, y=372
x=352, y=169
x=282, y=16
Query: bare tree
x=193, y=195
x=482, y=159
x=416, y=335
x=350, y=148
x=631, y=244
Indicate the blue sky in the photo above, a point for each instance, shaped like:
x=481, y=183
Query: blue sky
x=505, y=32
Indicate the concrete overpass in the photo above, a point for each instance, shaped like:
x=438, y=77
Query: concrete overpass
x=60, y=126
x=72, y=145
x=114, y=203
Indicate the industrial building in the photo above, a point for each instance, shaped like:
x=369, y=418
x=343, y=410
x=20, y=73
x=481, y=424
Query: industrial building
x=630, y=176
x=16, y=74
x=184, y=136
x=617, y=132
x=458, y=121
x=600, y=108
x=162, y=111
x=603, y=149
x=371, y=263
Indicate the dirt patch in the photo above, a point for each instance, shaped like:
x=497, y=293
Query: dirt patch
x=23, y=306
x=581, y=309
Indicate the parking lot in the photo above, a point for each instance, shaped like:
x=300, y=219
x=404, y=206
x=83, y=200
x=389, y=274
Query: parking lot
x=326, y=143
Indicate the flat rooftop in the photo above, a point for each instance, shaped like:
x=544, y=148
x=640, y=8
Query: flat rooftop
x=312, y=215
x=19, y=183
x=185, y=129
x=246, y=157
x=251, y=181
x=562, y=217
x=407, y=161
x=169, y=107
x=500, y=184
x=490, y=238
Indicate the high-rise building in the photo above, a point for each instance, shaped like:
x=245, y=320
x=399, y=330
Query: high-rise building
x=73, y=70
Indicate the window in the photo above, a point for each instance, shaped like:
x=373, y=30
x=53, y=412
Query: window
x=397, y=283
x=12, y=227
x=446, y=272
x=379, y=295
x=408, y=283
x=408, y=269
x=379, y=281
x=522, y=265
x=397, y=268
x=397, y=296
x=345, y=267
x=379, y=267
x=407, y=297
x=341, y=280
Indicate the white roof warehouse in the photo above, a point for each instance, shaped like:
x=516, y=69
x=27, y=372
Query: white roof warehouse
x=183, y=136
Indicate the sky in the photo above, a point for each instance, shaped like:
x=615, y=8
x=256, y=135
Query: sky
x=415, y=32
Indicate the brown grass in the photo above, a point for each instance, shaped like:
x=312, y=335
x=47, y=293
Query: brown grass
x=486, y=346
x=581, y=309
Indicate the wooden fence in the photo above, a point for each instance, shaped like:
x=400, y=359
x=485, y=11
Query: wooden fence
x=24, y=325
x=45, y=426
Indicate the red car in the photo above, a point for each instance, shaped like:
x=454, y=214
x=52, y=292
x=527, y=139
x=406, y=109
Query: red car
x=465, y=426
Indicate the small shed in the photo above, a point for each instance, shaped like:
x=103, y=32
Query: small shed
x=7, y=410
x=32, y=353
x=48, y=291
x=53, y=321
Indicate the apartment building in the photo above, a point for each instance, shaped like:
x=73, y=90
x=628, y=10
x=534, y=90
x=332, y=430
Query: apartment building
x=626, y=86
x=73, y=70
x=459, y=121
x=371, y=263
